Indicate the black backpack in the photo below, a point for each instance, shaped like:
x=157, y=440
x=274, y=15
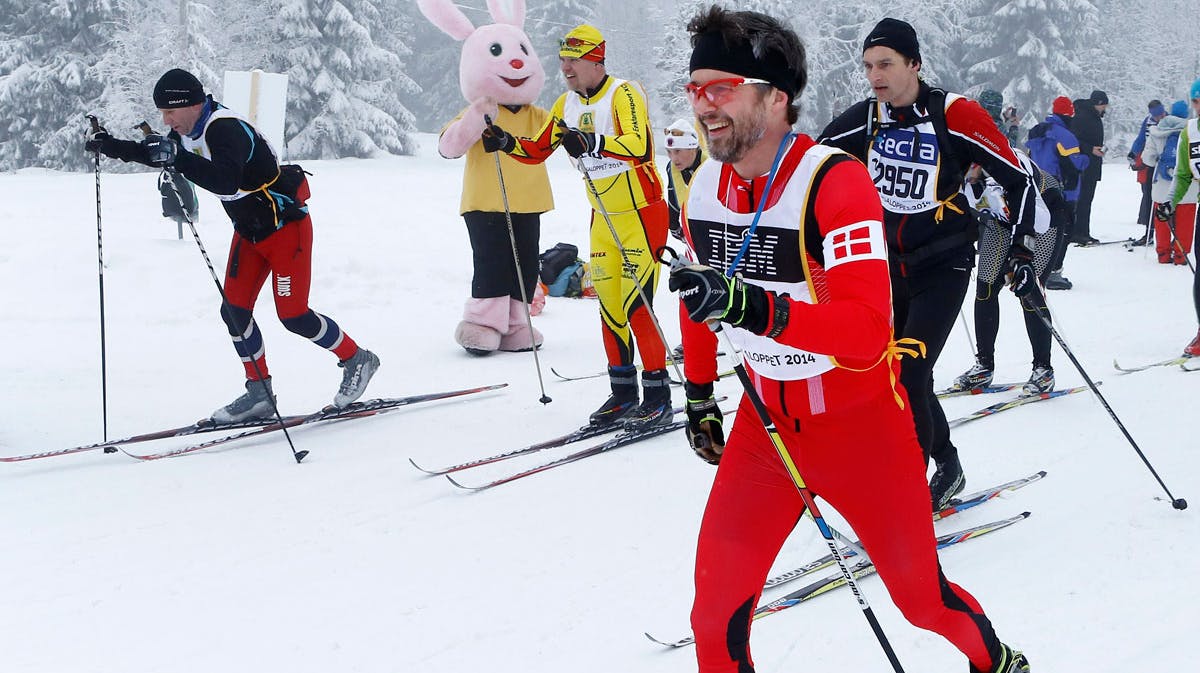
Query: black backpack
x=553, y=261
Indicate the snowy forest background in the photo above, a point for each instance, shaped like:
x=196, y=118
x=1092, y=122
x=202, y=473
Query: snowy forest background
x=364, y=75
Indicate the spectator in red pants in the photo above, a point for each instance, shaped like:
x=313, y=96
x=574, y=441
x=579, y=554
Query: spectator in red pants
x=1172, y=235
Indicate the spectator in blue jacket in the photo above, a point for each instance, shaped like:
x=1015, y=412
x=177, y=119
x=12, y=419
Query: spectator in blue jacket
x=1144, y=173
x=1055, y=150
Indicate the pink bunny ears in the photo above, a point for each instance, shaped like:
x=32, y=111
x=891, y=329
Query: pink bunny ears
x=450, y=19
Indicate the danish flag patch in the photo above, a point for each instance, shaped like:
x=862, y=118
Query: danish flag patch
x=855, y=243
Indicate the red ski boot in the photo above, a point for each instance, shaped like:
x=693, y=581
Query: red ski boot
x=1193, y=349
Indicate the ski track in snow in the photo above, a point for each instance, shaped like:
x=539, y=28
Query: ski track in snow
x=237, y=559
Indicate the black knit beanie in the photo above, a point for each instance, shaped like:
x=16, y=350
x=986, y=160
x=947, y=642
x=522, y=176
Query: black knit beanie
x=177, y=88
x=896, y=34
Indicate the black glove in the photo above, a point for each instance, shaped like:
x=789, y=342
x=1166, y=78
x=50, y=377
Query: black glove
x=987, y=219
x=98, y=140
x=704, y=428
x=578, y=143
x=1163, y=211
x=1022, y=278
x=708, y=295
x=676, y=229
x=161, y=150
x=496, y=139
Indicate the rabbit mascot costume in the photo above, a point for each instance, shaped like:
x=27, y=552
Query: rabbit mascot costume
x=501, y=77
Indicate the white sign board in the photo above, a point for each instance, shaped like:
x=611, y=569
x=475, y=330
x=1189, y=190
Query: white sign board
x=260, y=97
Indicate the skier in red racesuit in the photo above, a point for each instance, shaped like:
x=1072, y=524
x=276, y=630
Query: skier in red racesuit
x=811, y=313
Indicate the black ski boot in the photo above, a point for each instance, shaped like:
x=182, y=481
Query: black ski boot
x=947, y=481
x=1009, y=661
x=623, y=400
x=656, y=402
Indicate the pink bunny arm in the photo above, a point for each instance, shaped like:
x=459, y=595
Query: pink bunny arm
x=460, y=135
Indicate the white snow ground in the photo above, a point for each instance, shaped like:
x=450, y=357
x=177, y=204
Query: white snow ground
x=238, y=559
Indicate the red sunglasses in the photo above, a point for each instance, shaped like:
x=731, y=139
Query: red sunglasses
x=718, y=91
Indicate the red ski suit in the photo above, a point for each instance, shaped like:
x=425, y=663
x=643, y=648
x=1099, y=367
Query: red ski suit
x=830, y=386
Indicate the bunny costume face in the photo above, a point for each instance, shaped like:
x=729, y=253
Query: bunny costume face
x=498, y=61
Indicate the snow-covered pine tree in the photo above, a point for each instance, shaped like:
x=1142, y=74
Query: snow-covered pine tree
x=1148, y=52
x=441, y=98
x=148, y=38
x=1031, y=52
x=47, y=49
x=344, y=89
x=674, y=49
x=545, y=24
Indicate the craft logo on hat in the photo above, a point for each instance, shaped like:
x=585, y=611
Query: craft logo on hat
x=583, y=42
x=177, y=88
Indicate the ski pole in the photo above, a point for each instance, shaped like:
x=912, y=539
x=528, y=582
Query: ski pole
x=100, y=258
x=962, y=314
x=625, y=263
x=806, y=495
x=1177, y=503
x=512, y=237
x=166, y=175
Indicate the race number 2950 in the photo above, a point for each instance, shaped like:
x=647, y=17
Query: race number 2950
x=901, y=182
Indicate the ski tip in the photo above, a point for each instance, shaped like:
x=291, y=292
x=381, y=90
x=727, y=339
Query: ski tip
x=675, y=645
x=1025, y=515
x=455, y=483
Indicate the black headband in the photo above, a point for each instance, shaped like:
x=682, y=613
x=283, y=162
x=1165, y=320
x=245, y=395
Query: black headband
x=712, y=53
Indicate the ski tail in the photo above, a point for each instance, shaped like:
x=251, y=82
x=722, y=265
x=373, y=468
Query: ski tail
x=623, y=439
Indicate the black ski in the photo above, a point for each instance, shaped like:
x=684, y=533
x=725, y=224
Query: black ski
x=329, y=413
x=984, y=390
x=1097, y=244
x=623, y=439
x=205, y=425
x=586, y=432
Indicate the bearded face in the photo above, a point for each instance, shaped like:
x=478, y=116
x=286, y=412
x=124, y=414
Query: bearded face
x=732, y=130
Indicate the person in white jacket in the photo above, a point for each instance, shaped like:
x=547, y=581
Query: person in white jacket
x=1173, y=236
